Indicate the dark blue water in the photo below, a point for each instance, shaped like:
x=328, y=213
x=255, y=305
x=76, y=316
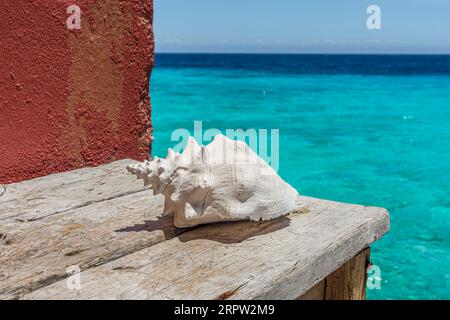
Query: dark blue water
x=312, y=64
x=368, y=129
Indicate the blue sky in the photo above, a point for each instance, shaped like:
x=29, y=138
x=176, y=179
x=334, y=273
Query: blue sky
x=300, y=26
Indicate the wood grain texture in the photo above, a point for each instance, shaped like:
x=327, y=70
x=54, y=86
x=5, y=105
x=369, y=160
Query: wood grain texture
x=103, y=221
x=85, y=217
x=315, y=293
x=57, y=193
x=35, y=254
x=346, y=283
x=278, y=259
x=349, y=281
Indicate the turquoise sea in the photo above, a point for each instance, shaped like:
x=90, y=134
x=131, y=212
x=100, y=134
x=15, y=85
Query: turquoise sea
x=372, y=130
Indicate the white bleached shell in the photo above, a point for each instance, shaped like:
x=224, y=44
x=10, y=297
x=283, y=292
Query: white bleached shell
x=223, y=181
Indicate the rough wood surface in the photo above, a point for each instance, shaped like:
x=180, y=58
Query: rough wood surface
x=103, y=221
x=57, y=193
x=346, y=283
x=315, y=293
x=280, y=259
x=35, y=254
x=89, y=229
x=349, y=281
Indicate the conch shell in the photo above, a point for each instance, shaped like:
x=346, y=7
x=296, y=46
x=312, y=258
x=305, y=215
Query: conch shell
x=223, y=181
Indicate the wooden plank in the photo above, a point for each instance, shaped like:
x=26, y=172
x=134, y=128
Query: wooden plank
x=20, y=189
x=57, y=193
x=346, y=283
x=35, y=254
x=315, y=293
x=278, y=259
x=349, y=281
x=73, y=218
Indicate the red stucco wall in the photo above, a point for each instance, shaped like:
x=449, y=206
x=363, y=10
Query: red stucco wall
x=73, y=98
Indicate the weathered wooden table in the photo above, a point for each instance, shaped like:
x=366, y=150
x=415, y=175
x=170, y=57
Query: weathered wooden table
x=102, y=222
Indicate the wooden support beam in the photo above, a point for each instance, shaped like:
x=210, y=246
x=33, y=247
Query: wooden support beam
x=346, y=283
x=349, y=281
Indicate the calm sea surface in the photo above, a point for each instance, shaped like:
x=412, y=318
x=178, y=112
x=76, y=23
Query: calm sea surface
x=372, y=130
